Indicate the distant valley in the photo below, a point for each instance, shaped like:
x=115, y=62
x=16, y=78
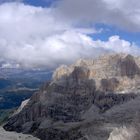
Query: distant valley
x=17, y=85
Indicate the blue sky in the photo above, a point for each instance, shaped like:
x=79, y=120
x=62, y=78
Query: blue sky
x=42, y=3
x=111, y=30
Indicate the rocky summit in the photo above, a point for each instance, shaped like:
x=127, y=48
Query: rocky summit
x=90, y=100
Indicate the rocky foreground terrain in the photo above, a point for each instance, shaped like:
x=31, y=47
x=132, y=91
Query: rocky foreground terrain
x=4, y=135
x=89, y=100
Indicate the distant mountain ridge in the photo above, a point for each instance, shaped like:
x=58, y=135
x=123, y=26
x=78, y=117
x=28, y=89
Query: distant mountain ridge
x=84, y=101
x=17, y=85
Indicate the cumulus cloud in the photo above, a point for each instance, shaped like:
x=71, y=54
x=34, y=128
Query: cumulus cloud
x=36, y=37
x=120, y=13
x=115, y=44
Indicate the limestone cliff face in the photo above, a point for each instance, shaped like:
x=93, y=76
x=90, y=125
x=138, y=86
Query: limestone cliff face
x=77, y=104
x=118, y=73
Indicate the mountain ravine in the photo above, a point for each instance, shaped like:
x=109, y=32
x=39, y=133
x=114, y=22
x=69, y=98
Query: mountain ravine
x=89, y=100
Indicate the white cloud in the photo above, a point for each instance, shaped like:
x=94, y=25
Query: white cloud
x=10, y=65
x=115, y=44
x=121, y=13
x=35, y=37
x=22, y=22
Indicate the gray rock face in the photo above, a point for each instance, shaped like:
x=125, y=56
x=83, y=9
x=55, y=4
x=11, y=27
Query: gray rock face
x=4, y=135
x=64, y=100
x=123, y=133
x=109, y=84
x=78, y=103
x=128, y=67
x=116, y=73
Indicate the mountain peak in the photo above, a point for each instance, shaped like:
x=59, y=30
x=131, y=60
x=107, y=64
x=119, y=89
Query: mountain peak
x=122, y=67
x=78, y=97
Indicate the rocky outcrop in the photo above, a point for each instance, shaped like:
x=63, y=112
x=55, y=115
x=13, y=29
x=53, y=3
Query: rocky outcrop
x=4, y=135
x=64, y=100
x=23, y=104
x=123, y=133
x=128, y=67
x=83, y=101
x=116, y=73
x=109, y=84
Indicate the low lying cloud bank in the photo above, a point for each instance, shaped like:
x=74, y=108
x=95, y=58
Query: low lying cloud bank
x=35, y=37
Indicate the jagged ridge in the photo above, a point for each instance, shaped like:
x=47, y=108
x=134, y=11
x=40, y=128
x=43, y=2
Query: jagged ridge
x=77, y=102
